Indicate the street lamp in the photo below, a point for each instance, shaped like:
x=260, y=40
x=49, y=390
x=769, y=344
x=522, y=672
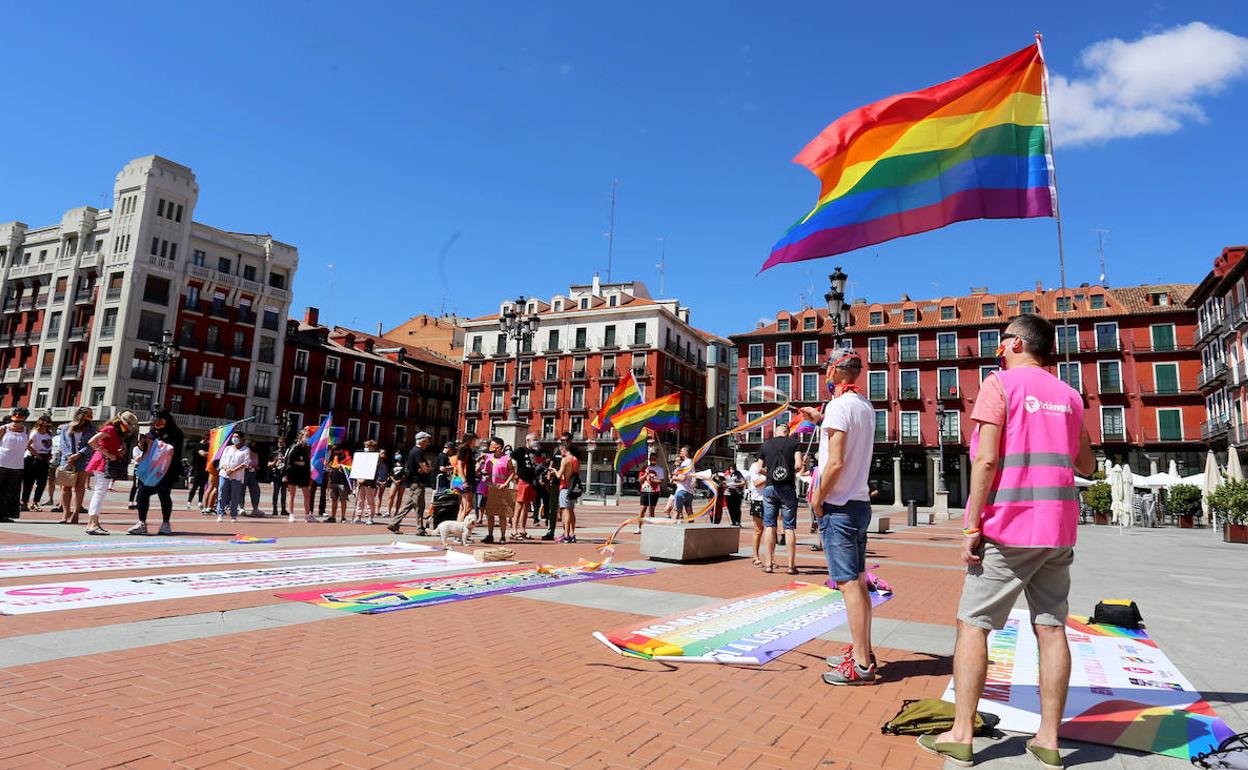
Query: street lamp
x=521, y=328
x=163, y=353
x=838, y=311
x=940, y=441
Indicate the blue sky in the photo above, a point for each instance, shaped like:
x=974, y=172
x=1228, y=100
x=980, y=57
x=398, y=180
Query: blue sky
x=372, y=137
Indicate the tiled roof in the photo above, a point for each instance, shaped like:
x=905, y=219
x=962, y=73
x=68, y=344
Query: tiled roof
x=969, y=310
x=596, y=303
x=423, y=355
x=308, y=338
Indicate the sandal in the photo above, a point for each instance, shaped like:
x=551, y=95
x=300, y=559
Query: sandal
x=792, y=570
x=757, y=563
x=770, y=568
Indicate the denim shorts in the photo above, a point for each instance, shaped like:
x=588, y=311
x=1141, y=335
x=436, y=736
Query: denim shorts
x=843, y=532
x=682, y=501
x=780, y=502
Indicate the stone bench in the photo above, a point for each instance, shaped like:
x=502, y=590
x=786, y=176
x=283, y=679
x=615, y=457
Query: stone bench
x=683, y=543
x=882, y=524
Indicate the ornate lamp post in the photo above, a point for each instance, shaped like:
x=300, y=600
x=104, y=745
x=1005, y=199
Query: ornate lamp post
x=940, y=440
x=520, y=328
x=838, y=311
x=163, y=353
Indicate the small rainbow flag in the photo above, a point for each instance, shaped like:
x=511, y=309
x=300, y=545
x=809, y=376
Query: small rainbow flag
x=627, y=393
x=801, y=425
x=319, y=444
x=975, y=147
x=219, y=436
x=663, y=413
x=630, y=456
x=337, y=436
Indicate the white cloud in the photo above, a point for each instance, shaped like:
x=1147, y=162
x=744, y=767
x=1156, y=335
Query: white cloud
x=1148, y=86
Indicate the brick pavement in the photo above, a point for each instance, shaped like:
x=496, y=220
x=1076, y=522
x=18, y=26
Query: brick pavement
x=500, y=682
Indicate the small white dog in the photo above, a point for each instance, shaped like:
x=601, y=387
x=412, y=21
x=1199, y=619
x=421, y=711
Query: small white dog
x=457, y=530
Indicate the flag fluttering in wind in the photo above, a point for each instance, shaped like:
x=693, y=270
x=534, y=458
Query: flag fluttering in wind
x=630, y=456
x=219, y=436
x=319, y=446
x=626, y=394
x=801, y=425
x=663, y=413
x=975, y=147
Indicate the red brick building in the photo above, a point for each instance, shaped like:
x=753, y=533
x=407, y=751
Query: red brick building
x=1128, y=350
x=1221, y=305
x=375, y=387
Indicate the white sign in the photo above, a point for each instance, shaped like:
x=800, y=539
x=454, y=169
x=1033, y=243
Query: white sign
x=51, y=597
x=71, y=566
x=96, y=545
x=364, y=466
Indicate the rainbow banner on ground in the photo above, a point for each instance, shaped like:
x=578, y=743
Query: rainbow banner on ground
x=319, y=447
x=753, y=629
x=626, y=394
x=663, y=413
x=404, y=595
x=1124, y=691
x=975, y=147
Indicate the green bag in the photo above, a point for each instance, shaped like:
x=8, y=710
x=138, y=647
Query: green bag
x=929, y=715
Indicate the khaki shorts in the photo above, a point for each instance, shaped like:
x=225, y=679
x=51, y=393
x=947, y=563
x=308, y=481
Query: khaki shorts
x=992, y=587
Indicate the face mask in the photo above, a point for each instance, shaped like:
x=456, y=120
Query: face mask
x=236, y=441
x=532, y=445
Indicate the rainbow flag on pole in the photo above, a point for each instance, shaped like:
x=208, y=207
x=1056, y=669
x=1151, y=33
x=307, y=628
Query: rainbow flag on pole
x=627, y=393
x=630, y=456
x=319, y=445
x=219, y=436
x=663, y=413
x=801, y=425
x=975, y=147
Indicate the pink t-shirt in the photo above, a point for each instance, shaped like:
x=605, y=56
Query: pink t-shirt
x=109, y=440
x=990, y=405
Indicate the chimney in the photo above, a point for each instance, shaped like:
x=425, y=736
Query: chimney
x=368, y=344
x=596, y=288
x=1039, y=286
x=311, y=316
x=379, y=328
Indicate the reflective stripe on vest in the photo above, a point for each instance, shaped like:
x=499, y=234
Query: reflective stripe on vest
x=1028, y=459
x=1032, y=494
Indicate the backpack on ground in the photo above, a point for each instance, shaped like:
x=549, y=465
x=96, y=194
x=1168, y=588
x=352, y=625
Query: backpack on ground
x=929, y=715
x=1117, y=612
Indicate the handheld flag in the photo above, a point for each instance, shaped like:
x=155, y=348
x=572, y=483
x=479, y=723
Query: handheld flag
x=219, y=436
x=801, y=425
x=630, y=456
x=663, y=413
x=319, y=446
x=626, y=394
x=975, y=147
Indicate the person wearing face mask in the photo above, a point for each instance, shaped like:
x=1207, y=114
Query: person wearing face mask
x=108, y=445
x=232, y=468
x=418, y=475
x=398, y=482
x=14, y=441
x=526, y=492
x=498, y=473
x=299, y=475
x=38, y=457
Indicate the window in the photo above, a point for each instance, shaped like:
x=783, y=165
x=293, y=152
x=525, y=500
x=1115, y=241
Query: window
x=151, y=325
x=41, y=398
x=1162, y=336
x=357, y=399
x=1070, y=374
x=500, y=372
x=268, y=349
x=298, y=390
x=756, y=355
x=1113, y=424
x=234, y=378
x=277, y=280
x=989, y=310
x=909, y=427
x=223, y=265
x=1170, y=424
x=552, y=371
x=357, y=371
x=752, y=385
x=331, y=366
x=500, y=345
x=474, y=401
x=353, y=429
x=160, y=207
x=608, y=365
x=604, y=392
x=810, y=386
x=909, y=315
x=808, y=323
x=1109, y=376
x=54, y=323
x=198, y=257
x=877, y=386
x=577, y=426
x=608, y=337
x=989, y=340
x=578, y=396
x=877, y=350
x=240, y=347
x=984, y=371
x=881, y=426
x=301, y=360
x=639, y=333
x=584, y=303
x=876, y=318
x=754, y=436
x=908, y=347
x=947, y=345
x=552, y=340
x=1063, y=305
x=178, y=216
x=1107, y=336
x=784, y=384
x=639, y=364
x=1166, y=377
x=947, y=381
x=909, y=384
x=951, y=428
x=476, y=344
x=782, y=325
x=1026, y=307
x=947, y=312
x=155, y=246
x=270, y=319
x=1097, y=301
x=173, y=251
x=1067, y=338
x=581, y=338
x=249, y=272
x=550, y=398
x=496, y=400
x=578, y=367
x=784, y=354
x=810, y=352
x=108, y=324
x=213, y=341
x=264, y=378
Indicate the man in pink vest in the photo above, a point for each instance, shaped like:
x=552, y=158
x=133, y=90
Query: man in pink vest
x=1021, y=517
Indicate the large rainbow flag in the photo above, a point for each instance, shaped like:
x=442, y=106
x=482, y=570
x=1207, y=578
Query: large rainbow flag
x=663, y=413
x=975, y=147
x=319, y=445
x=219, y=436
x=630, y=456
x=627, y=393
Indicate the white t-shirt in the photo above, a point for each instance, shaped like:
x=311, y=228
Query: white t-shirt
x=687, y=482
x=853, y=415
x=232, y=456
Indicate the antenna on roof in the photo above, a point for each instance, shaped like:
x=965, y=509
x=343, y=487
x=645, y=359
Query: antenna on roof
x=615, y=183
x=1100, y=247
x=329, y=306
x=662, y=262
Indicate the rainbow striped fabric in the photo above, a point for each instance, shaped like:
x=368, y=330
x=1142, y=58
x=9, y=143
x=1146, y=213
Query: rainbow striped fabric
x=800, y=425
x=319, y=445
x=218, y=437
x=627, y=393
x=663, y=413
x=976, y=147
x=630, y=456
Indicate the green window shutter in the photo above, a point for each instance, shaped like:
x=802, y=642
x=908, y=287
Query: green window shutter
x=1170, y=424
x=1167, y=378
x=1163, y=337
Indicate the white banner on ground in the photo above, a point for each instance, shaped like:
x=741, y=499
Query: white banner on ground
x=108, y=545
x=50, y=597
x=77, y=565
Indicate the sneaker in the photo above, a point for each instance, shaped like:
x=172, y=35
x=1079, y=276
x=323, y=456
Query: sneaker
x=56, y=509
x=957, y=754
x=220, y=518
x=637, y=531
x=82, y=511
x=847, y=654
x=97, y=530
x=190, y=506
x=369, y=521
x=487, y=540
x=165, y=529
x=548, y=537
x=570, y=539
x=140, y=528
x=257, y=512
x=816, y=547
x=560, y=539
x=395, y=528
x=132, y=506
x=850, y=673
x=291, y=519
x=309, y=517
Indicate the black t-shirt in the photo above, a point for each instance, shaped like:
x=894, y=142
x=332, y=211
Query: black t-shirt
x=173, y=437
x=523, y=459
x=414, y=474
x=778, y=454
x=200, y=462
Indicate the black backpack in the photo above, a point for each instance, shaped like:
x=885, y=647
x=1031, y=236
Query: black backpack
x=575, y=488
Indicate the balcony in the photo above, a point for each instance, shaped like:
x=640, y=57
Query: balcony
x=951, y=436
x=113, y=292
x=1167, y=392
x=236, y=388
x=885, y=436
x=579, y=375
x=71, y=372
x=1239, y=434
x=607, y=374
x=908, y=394
x=951, y=393
x=877, y=395
x=639, y=343
x=145, y=373
x=45, y=371
x=84, y=297
x=1211, y=375
x=908, y=355
x=1110, y=389
x=107, y=332
x=16, y=375
x=6, y=339
x=100, y=370
x=911, y=439
x=640, y=373
x=784, y=363
x=1152, y=436
x=1214, y=428
x=1113, y=434
x=756, y=363
x=218, y=310
x=243, y=352
x=77, y=334
x=1208, y=328
x=210, y=385
x=247, y=317
x=10, y=306
x=26, y=303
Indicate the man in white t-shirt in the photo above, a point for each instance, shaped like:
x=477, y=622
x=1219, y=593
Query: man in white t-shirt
x=846, y=443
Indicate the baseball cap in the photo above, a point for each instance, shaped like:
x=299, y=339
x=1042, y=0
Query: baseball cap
x=422, y=436
x=844, y=357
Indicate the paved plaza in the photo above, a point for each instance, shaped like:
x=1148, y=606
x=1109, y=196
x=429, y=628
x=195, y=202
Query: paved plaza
x=248, y=680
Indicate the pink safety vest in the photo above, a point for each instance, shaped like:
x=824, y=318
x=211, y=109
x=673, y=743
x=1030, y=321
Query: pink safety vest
x=1033, y=501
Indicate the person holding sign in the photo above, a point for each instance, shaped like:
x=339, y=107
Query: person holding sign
x=369, y=471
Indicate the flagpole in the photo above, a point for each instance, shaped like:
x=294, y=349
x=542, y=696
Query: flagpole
x=1057, y=211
